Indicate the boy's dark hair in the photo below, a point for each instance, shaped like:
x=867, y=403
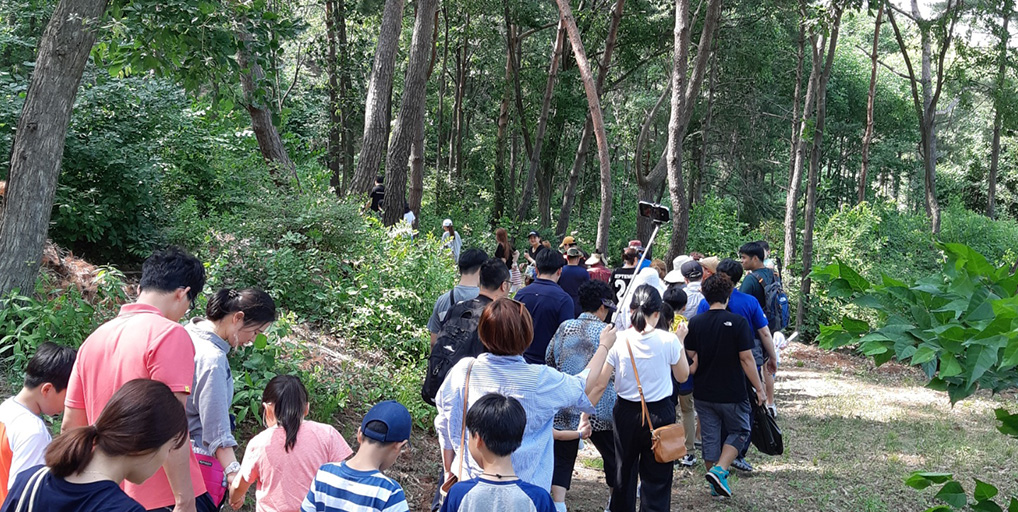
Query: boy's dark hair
x=172, y=268
x=630, y=255
x=471, y=260
x=380, y=428
x=717, y=288
x=676, y=298
x=493, y=274
x=732, y=268
x=380, y=179
x=51, y=363
x=752, y=249
x=548, y=262
x=763, y=244
x=499, y=421
x=592, y=293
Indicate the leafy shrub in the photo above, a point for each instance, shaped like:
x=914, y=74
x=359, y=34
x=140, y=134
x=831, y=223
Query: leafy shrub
x=715, y=228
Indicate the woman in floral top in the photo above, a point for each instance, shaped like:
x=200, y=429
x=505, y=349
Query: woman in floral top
x=569, y=351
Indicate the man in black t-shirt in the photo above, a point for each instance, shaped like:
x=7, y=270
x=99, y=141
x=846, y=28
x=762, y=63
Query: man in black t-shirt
x=720, y=345
x=377, y=195
x=622, y=276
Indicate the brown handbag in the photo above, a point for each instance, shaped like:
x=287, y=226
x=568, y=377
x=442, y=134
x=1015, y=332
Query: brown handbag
x=669, y=441
x=463, y=436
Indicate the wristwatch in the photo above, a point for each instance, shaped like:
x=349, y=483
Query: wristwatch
x=232, y=468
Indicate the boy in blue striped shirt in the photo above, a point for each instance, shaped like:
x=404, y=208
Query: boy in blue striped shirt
x=358, y=485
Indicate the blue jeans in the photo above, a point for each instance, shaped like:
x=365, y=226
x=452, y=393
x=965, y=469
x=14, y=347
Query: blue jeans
x=722, y=424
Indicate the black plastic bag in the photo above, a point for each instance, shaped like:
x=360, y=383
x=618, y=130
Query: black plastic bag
x=766, y=434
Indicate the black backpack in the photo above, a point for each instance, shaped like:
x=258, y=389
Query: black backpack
x=457, y=339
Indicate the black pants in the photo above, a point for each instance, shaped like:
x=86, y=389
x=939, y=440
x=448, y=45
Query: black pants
x=604, y=441
x=635, y=457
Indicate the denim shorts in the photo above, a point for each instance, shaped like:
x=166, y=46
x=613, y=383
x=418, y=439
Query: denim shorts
x=717, y=418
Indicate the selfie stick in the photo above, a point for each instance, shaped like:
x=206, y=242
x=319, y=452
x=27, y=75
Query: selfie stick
x=643, y=257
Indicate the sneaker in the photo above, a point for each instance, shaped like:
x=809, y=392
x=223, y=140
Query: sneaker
x=688, y=461
x=742, y=465
x=712, y=491
x=718, y=480
x=772, y=410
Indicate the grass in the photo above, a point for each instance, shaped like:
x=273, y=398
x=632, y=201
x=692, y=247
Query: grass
x=853, y=433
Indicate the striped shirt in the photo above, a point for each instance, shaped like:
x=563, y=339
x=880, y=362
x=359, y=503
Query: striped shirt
x=337, y=488
x=542, y=391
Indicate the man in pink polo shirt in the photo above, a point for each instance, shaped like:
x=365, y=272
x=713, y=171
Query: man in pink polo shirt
x=146, y=341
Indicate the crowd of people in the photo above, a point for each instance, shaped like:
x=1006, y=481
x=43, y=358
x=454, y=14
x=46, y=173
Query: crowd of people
x=522, y=372
x=709, y=320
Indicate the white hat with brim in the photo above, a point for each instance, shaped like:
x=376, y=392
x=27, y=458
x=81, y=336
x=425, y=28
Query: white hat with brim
x=674, y=277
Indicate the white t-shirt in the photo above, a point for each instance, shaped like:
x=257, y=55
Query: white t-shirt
x=25, y=434
x=655, y=353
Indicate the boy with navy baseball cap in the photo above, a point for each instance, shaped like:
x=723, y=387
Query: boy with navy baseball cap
x=358, y=483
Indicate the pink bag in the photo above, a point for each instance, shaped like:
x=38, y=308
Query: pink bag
x=212, y=474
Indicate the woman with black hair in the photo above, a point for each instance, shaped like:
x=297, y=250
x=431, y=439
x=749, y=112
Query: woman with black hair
x=232, y=318
x=656, y=355
x=284, y=471
x=86, y=466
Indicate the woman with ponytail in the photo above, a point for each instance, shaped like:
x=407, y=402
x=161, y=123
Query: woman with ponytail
x=658, y=357
x=285, y=457
x=232, y=318
x=86, y=466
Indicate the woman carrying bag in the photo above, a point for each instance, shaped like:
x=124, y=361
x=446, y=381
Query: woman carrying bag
x=644, y=360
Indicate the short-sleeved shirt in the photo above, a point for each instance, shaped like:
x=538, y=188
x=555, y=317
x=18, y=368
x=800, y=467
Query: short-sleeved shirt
x=601, y=273
x=58, y=495
x=747, y=307
x=570, y=280
x=541, y=390
x=717, y=336
x=139, y=344
x=338, y=488
x=620, y=279
x=507, y=257
x=377, y=195
x=486, y=495
x=569, y=352
x=23, y=441
x=445, y=302
x=693, y=299
x=655, y=353
x=454, y=243
x=751, y=284
x=549, y=306
x=284, y=477
x=532, y=251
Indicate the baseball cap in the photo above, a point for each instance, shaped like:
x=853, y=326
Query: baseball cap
x=395, y=416
x=446, y=223
x=573, y=252
x=710, y=263
x=636, y=244
x=567, y=241
x=534, y=233
x=692, y=270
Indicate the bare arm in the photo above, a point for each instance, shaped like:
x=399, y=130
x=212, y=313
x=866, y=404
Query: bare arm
x=599, y=371
x=238, y=488
x=749, y=368
x=178, y=472
x=226, y=456
x=73, y=418
x=434, y=338
x=680, y=370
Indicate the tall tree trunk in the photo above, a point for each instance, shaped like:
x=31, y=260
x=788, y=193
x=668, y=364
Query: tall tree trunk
x=456, y=146
x=991, y=191
x=697, y=179
x=501, y=180
x=814, y=165
x=588, y=127
x=378, y=105
x=542, y=122
x=39, y=140
x=335, y=152
x=270, y=143
x=590, y=88
x=798, y=147
x=345, y=88
x=417, y=149
x=440, y=178
x=410, y=119
x=685, y=88
x=549, y=164
x=867, y=137
x=649, y=180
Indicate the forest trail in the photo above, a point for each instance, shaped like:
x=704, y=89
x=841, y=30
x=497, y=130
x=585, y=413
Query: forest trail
x=853, y=432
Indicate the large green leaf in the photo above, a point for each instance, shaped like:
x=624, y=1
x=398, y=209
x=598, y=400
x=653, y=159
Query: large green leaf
x=1008, y=422
x=984, y=491
x=953, y=494
x=922, y=479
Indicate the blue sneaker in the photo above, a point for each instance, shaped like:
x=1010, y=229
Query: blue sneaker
x=718, y=480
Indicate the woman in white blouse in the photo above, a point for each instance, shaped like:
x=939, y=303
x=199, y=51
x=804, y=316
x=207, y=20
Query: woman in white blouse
x=658, y=356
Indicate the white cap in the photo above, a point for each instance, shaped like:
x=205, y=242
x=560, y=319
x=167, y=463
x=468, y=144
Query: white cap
x=679, y=261
x=446, y=223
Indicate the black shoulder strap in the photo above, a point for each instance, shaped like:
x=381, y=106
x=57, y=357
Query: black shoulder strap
x=452, y=297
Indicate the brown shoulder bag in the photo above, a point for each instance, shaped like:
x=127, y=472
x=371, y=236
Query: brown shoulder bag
x=669, y=441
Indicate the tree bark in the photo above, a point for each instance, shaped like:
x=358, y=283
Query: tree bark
x=270, y=143
x=410, y=119
x=378, y=105
x=417, y=149
x=867, y=137
x=440, y=179
x=38, y=145
x=542, y=122
x=814, y=166
x=590, y=88
x=798, y=163
x=697, y=179
x=588, y=127
x=991, y=190
x=501, y=179
x=649, y=181
x=335, y=151
x=456, y=138
x=685, y=88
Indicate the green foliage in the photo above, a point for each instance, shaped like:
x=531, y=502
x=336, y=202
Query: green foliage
x=959, y=325
x=715, y=228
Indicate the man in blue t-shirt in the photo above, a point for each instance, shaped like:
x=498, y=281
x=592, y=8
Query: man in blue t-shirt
x=573, y=275
x=548, y=304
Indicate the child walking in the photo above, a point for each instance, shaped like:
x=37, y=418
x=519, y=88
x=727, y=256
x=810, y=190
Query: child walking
x=284, y=457
x=23, y=434
x=358, y=484
x=496, y=424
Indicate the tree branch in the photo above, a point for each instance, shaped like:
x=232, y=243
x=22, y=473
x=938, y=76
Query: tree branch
x=908, y=64
x=882, y=63
x=534, y=31
x=941, y=75
x=296, y=74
